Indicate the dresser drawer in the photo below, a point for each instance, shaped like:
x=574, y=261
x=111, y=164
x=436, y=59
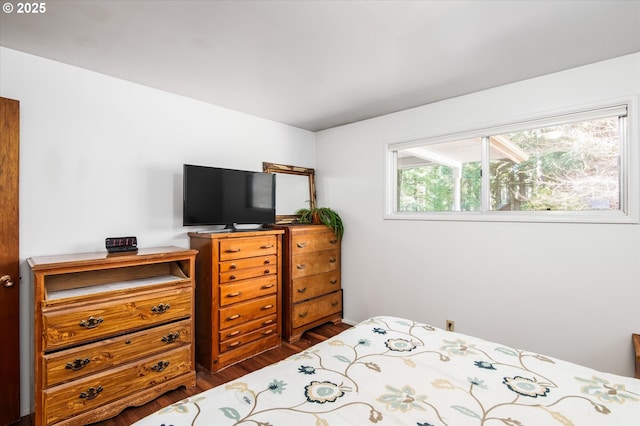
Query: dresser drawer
x=247, y=327
x=248, y=289
x=242, y=339
x=239, y=248
x=247, y=351
x=70, y=364
x=90, y=392
x=314, y=309
x=243, y=274
x=306, y=243
x=304, y=265
x=86, y=323
x=314, y=286
x=239, y=313
x=250, y=262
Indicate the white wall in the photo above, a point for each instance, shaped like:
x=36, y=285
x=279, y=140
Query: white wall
x=566, y=290
x=103, y=157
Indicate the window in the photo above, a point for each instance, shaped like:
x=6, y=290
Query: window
x=570, y=167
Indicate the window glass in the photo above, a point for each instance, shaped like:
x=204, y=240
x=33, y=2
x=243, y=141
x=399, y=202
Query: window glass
x=440, y=177
x=572, y=167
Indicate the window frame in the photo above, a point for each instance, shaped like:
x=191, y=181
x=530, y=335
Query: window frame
x=629, y=169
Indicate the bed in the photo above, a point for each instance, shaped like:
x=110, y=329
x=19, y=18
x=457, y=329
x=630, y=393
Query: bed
x=394, y=371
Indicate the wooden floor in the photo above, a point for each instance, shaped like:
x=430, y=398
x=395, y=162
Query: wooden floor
x=206, y=380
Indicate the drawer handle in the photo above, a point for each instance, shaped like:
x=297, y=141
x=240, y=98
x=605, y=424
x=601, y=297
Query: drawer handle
x=233, y=344
x=334, y=304
x=266, y=286
x=233, y=250
x=302, y=290
x=266, y=246
x=236, y=294
x=267, y=332
x=91, y=393
x=333, y=281
x=91, y=322
x=233, y=333
x=171, y=337
x=232, y=277
x=333, y=241
x=233, y=317
x=77, y=364
x=267, y=271
x=304, y=314
x=233, y=266
x=265, y=307
x=160, y=366
x=301, y=245
x=161, y=308
x=267, y=262
x=333, y=260
x=267, y=322
x=301, y=266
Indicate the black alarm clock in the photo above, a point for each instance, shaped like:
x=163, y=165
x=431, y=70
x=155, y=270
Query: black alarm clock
x=121, y=244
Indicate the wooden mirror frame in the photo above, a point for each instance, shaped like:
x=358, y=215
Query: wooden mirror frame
x=293, y=170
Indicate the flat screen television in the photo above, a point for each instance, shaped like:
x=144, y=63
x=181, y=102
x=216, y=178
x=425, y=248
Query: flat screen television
x=218, y=196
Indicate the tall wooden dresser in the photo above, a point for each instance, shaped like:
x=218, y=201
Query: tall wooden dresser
x=311, y=288
x=238, y=295
x=111, y=331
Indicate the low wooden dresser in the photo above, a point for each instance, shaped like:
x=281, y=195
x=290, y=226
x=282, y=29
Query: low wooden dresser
x=238, y=295
x=111, y=331
x=311, y=287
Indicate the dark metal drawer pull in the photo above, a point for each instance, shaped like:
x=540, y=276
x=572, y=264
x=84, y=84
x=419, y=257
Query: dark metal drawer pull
x=171, y=337
x=302, y=290
x=91, y=393
x=333, y=281
x=160, y=366
x=332, y=260
x=267, y=271
x=304, y=314
x=161, y=308
x=301, y=266
x=266, y=246
x=334, y=304
x=233, y=250
x=301, y=245
x=267, y=262
x=232, y=277
x=77, y=364
x=91, y=322
x=233, y=266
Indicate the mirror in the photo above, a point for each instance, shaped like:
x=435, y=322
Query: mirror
x=295, y=189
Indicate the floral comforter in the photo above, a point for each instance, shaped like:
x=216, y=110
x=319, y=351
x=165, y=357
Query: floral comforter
x=394, y=371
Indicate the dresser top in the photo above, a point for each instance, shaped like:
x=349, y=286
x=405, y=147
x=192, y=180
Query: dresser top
x=76, y=259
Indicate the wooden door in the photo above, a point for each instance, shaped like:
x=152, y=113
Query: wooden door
x=9, y=262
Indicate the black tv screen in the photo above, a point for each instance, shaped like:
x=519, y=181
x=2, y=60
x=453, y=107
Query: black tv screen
x=218, y=196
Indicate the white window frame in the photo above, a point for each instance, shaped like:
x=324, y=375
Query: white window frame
x=629, y=211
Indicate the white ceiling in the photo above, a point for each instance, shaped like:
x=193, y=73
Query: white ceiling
x=321, y=64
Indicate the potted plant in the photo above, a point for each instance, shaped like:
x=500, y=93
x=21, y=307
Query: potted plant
x=322, y=215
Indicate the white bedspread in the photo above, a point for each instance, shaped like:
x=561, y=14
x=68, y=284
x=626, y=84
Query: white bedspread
x=393, y=371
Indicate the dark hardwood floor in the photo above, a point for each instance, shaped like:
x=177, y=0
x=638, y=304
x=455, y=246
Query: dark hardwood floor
x=206, y=380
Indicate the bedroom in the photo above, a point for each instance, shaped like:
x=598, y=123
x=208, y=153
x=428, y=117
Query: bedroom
x=570, y=291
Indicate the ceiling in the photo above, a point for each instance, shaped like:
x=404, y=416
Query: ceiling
x=320, y=64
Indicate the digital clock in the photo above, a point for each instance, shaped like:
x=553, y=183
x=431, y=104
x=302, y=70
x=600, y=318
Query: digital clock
x=121, y=244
